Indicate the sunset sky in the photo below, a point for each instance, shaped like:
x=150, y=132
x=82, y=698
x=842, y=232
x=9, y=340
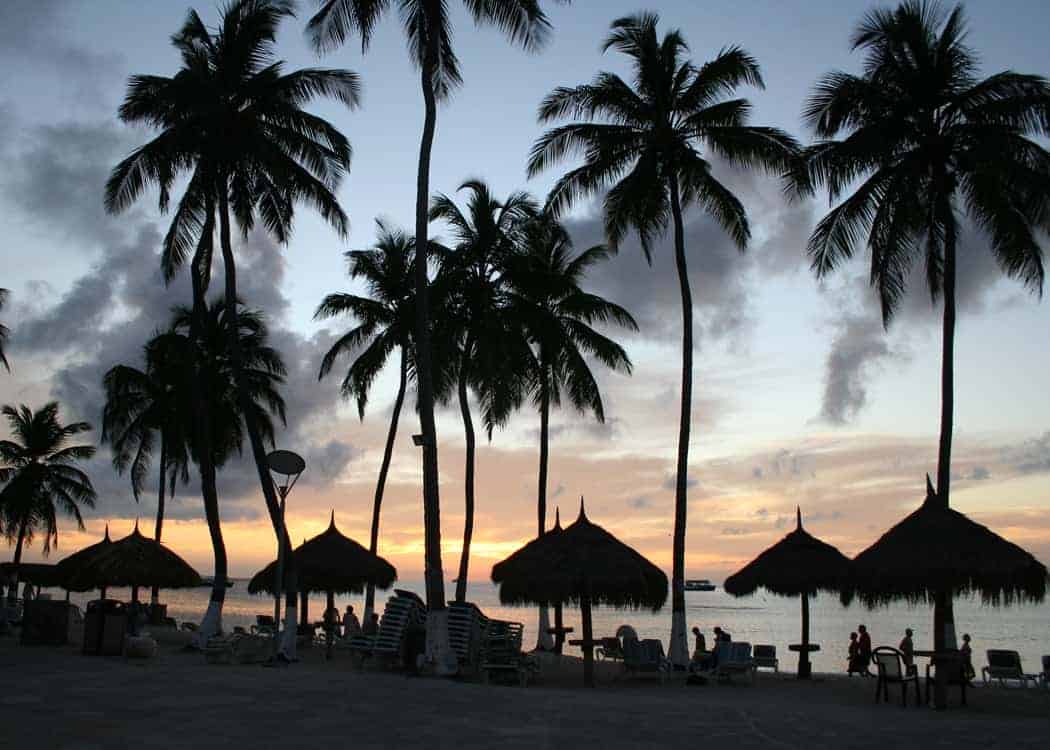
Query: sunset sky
x=800, y=396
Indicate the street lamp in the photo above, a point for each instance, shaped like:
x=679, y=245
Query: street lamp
x=289, y=466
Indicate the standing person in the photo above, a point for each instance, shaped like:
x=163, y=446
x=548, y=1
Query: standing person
x=907, y=649
x=853, y=658
x=967, y=656
x=351, y=625
x=701, y=645
x=864, y=650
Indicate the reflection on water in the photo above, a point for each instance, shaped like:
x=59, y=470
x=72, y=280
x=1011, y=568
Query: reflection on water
x=762, y=618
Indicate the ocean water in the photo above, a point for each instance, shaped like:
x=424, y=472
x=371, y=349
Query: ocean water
x=761, y=618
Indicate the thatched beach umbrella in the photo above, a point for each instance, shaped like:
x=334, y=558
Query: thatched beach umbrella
x=136, y=561
x=37, y=574
x=797, y=565
x=71, y=564
x=937, y=552
x=331, y=563
x=582, y=564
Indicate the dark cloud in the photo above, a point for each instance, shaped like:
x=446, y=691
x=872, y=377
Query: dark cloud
x=110, y=312
x=979, y=473
x=720, y=276
x=1030, y=457
x=641, y=502
x=35, y=46
x=734, y=531
x=669, y=482
x=860, y=344
x=857, y=350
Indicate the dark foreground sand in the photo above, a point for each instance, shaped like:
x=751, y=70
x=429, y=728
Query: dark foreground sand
x=54, y=697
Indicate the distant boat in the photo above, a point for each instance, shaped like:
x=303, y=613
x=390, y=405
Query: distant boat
x=699, y=584
x=210, y=581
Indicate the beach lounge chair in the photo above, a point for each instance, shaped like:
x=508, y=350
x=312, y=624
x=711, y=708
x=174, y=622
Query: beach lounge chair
x=646, y=657
x=1044, y=676
x=890, y=664
x=466, y=625
x=609, y=648
x=238, y=648
x=403, y=610
x=1006, y=665
x=264, y=625
x=501, y=652
x=734, y=657
x=765, y=657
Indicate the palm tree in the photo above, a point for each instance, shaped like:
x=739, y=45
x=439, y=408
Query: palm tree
x=3, y=332
x=234, y=121
x=38, y=470
x=384, y=322
x=428, y=28
x=492, y=356
x=924, y=140
x=644, y=146
x=142, y=408
x=546, y=279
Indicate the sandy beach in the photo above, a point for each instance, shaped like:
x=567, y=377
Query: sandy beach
x=57, y=698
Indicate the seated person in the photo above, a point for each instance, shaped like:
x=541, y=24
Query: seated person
x=372, y=625
x=351, y=625
x=701, y=645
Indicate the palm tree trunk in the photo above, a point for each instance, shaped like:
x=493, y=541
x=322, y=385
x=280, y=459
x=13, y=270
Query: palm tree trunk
x=544, y=640
x=388, y=452
x=212, y=621
x=679, y=646
x=437, y=652
x=154, y=596
x=468, y=476
x=943, y=616
x=12, y=593
x=252, y=428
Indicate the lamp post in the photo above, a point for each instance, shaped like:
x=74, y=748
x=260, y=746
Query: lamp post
x=285, y=467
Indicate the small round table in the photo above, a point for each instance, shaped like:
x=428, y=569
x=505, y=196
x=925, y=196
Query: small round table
x=559, y=636
x=804, y=650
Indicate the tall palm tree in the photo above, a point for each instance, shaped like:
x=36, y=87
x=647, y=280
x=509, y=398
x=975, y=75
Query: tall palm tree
x=644, y=145
x=926, y=142
x=427, y=26
x=384, y=321
x=39, y=474
x=492, y=356
x=546, y=281
x=3, y=332
x=144, y=407
x=234, y=121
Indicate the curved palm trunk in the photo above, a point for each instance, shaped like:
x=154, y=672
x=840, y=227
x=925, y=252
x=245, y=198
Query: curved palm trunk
x=437, y=651
x=943, y=616
x=388, y=452
x=12, y=592
x=468, y=478
x=154, y=597
x=544, y=640
x=211, y=624
x=678, y=652
x=254, y=436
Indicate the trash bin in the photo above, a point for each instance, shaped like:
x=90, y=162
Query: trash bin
x=105, y=623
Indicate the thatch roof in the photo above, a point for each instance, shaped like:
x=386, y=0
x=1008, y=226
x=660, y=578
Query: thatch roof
x=135, y=560
x=937, y=549
x=563, y=566
x=331, y=562
x=797, y=564
x=38, y=574
x=70, y=565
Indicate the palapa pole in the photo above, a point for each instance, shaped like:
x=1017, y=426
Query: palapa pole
x=329, y=625
x=588, y=641
x=804, y=667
